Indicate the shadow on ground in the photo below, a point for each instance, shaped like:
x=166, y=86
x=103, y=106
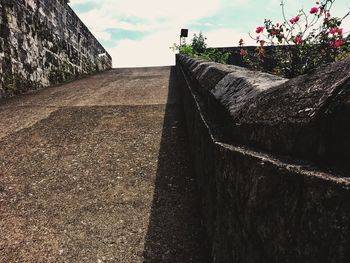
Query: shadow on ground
x=175, y=233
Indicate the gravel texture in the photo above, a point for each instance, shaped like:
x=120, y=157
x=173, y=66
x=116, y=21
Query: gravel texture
x=98, y=170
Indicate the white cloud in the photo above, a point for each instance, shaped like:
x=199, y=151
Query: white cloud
x=99, y=20
x=153, y=50
x=102, y=35
x=144, y=16
x=161, y=21
x=171, y=10
x=227, y=37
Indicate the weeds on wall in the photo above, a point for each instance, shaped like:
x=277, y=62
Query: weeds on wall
x=198, y=49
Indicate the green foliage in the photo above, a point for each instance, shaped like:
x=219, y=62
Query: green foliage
x=186, y=50
x=214, y=55
x=198, y=49
x=198, y=44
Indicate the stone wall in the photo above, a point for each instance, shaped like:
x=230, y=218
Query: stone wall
x=43, y=42
x=271, y=160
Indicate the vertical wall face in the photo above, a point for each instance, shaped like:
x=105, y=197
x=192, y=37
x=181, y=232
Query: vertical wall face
x=257, y=205
x=43, y=42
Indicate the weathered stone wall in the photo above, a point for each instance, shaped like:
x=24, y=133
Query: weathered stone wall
x=268, y=194
x=43, y=42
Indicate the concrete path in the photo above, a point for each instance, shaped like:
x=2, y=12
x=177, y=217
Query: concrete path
x=98, y=170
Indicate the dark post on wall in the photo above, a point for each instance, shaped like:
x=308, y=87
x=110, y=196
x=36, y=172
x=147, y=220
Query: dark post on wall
x=184, y=33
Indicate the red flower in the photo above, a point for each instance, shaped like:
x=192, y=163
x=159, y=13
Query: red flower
x=241, y=42
x=298, y=40
x=314, y=10
x=294, y=20
x=242, y=52
x=338, y=43
x=259, y=29
x=262, y=43
x=333, y=30
x=340, y=31
x=261, y=51
x=328, y=14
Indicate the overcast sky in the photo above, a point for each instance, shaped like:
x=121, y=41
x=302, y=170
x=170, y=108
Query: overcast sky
x=140, y=32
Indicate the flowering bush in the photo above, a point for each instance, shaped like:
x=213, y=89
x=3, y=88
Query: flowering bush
x=307, y=41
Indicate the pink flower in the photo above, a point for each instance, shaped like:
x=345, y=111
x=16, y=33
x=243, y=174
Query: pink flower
x=298, y=40
x=333, y=30
x=314, y=10
x=242, y=52
x=336, y=30
x=328, y=14
x=261, y=51
x=338, y=43
x=294, y=20
x=259, y=29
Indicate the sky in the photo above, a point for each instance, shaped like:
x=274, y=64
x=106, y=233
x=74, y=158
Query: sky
x=139, y=33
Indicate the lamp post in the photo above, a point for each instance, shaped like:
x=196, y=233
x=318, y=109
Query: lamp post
x=184, y=33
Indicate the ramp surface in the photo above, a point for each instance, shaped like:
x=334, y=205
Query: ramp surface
x=97, y=170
